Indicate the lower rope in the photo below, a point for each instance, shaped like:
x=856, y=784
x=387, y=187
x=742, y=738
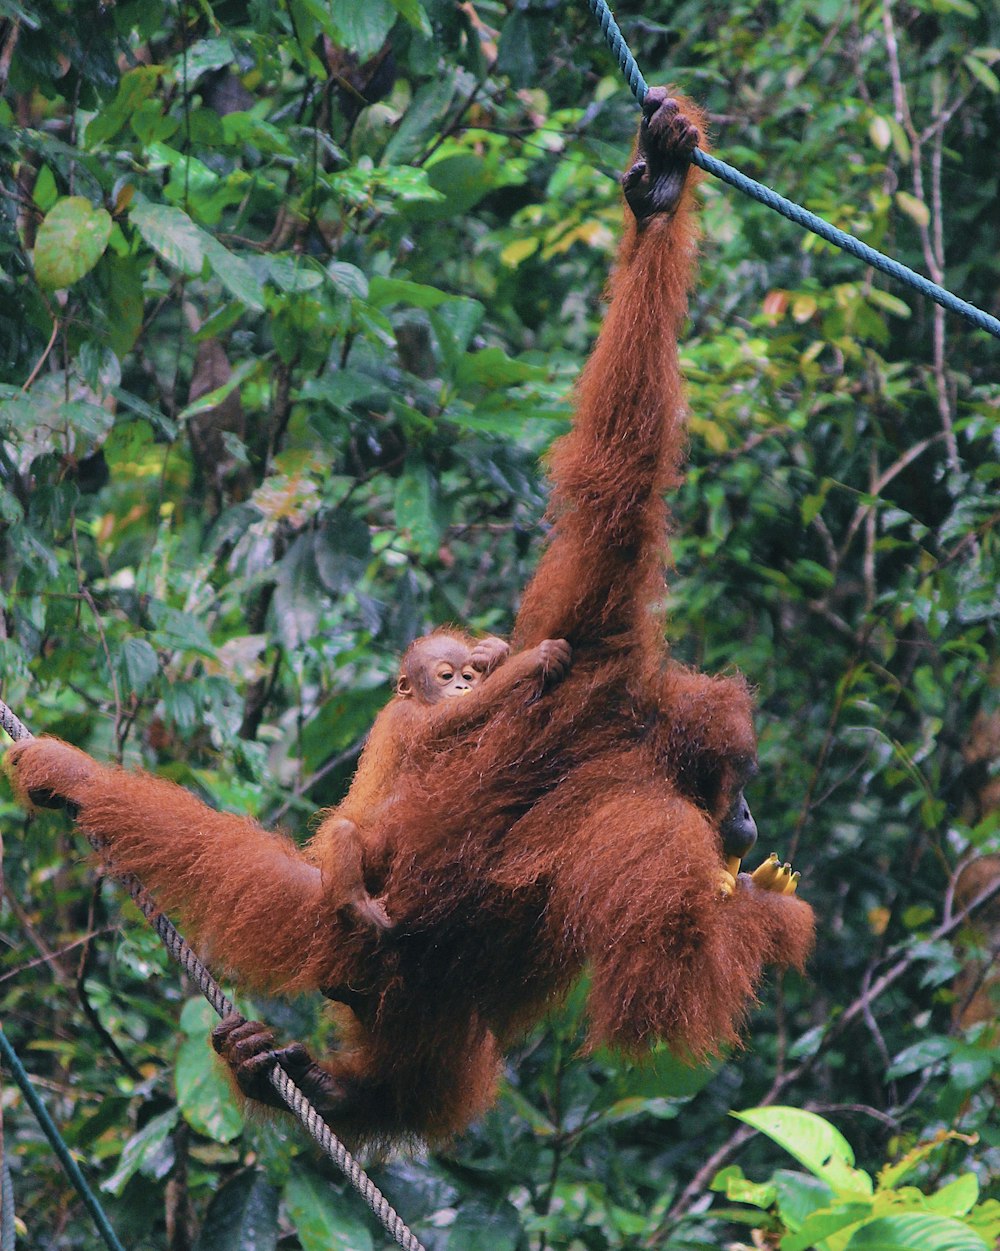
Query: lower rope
x=788, y=208
x=70, y=1166
x=6, y=1206
x=291, y=1095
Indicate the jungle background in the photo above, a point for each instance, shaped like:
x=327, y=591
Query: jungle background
x=293, y=298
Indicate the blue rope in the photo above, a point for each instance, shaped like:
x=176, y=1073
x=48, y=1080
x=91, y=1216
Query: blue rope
x=70, y=1166
x=6, y=1206
x=788, y=208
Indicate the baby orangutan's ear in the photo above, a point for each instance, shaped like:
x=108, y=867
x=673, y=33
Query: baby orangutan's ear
x=403, y=686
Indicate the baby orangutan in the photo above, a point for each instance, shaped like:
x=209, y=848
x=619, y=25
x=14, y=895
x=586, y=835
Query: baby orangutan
x=434, y=669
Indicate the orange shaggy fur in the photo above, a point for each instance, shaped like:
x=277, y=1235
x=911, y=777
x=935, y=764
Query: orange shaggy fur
x=545, y=833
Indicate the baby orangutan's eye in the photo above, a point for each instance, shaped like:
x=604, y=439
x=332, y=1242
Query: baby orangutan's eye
x=445, y=675
x=470, y=675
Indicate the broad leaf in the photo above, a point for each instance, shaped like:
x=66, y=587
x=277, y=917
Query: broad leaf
x=70, y=242
x=170, y=233
x=243, y=1216
x=915, y=1231
x=324, y=1219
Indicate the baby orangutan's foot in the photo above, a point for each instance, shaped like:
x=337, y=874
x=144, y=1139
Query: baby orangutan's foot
x=369, y=911
x=774, y=876
x=249, y=1048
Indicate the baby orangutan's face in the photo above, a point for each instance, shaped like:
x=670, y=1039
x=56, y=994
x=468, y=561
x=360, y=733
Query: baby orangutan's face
x=437, y=668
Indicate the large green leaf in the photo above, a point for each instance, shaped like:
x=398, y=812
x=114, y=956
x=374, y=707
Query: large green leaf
x=70, y=242
x=243, y=1216
x=416, y=511
x=915, y=1231
x=233, y=272
x=814, y=1142
x=325, y=1220
x=204, y=1094
x=363, y=27
x=170, y=233
x=149, y=1152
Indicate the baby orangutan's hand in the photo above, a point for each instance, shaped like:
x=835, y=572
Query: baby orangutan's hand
x=554, y=659
x=488, y=653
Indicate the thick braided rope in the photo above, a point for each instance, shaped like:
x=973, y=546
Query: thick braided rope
x=292, y=1096
x=788, y=208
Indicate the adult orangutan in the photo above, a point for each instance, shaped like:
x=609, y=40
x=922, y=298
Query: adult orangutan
x=588, y=825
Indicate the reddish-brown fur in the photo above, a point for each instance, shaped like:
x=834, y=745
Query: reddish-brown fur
x=547, y=832
x=348, y=846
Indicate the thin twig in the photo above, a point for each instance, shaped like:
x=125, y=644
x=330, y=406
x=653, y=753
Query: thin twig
x=44, y=356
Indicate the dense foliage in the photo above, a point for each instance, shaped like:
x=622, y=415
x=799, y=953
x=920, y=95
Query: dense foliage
x=293, y=296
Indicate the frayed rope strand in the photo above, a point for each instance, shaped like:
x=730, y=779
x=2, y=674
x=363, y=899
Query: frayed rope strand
x=291, y=1095
x=788, y=208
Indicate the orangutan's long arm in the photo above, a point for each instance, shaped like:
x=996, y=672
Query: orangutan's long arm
x=603, y=566
x=671, y=956
x=247, y=895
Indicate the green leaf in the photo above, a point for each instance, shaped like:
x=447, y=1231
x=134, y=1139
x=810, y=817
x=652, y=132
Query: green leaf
x=139, y=663
x=461, y=179
x=384, y=292
x=983, y=72
x=915, y=1231
x=212, y=399
x=182, y=630
x=291, y=274
x=243, y=1216
x=482, y=1226
x=342, y=549
x=757, y=1194
x=363, y=27
x=821, y=1224
x=170, y=233
x=87, y=420
x=342, y=388
x=349, y=279
x=412, y=11
x=455, y=322
x=150, y=1152
x=324, y=1220
x=914, y=208
x=233, y=272
x=957, y=1198
x=921, y=1055
x=880, y=132
x=492, y=367
x=203, y=1091
x=125, y=297
x=298, y=595
x=136, y=86
x=207, y=55
x=70, y=242
x=891, y=303
x=814, y=1142
x=427, y=109
x=622, y=1110
x=970, y=1066
x=892, y=1174
x=415, y=508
